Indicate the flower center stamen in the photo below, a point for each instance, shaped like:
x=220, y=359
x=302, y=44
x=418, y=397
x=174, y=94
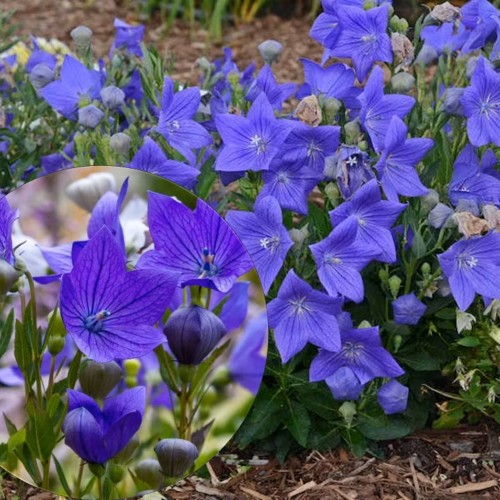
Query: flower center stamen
x=207, y=268
x=352, y=351
x=270, y=243
x=95, y=323
x=258, y=143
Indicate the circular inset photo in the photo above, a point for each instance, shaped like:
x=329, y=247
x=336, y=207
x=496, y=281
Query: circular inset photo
x=133, y=332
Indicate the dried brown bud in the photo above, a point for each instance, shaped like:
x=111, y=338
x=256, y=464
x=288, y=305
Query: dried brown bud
x=445, y=13
x=403, y=49
x=309, y=111
x=470, y=225
x=492, y=216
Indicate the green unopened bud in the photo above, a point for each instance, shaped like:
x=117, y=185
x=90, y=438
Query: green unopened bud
x=394, y=285
x=369, y=4
x=82, y=37
x=399, y=24
x=364, y=146
x=20, y=265
x=149, y=472
x=348, y=411
x=97, y=469
x=56, y=344
x=352, y=132
x=332, y=193
x=383, y=276
x=131, y=381
x=365, y=324
x=98, y=379
x=330, y=105
x=56, y=326
x=8, y=276
x=426, y=269
x=116, y=472
x=397, y=342
x=176, y=456
x=403, y=82
x=132, y=366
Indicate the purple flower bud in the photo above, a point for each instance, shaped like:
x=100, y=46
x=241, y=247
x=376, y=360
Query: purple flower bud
x=452, y=101
x=408, y=309
x=112, y=97
x=99, y=379
x=393, y=397
x=120, y=143
x=90, y=116
x=270, y=51
x=82, y=36
x=439, y=215
x=175, y=456
x=41, y=75
x=192, y=332
x=344, y=384
x=426, y=56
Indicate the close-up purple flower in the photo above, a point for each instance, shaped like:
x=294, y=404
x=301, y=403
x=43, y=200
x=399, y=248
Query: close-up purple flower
x=7, y=218
x=362, y=352
x=363, y=37
x=195, y=243
x=481, y=104
x=77, y=84
x=473, y=266
x=251, y=142
x=96, y=435
x=481, y=19
x=393, y=397
x=396, y=166
x=408, y=309
x=300, y=314
x=378, y=109
x=264, y=236
x=151, y=158
x=340, y=259
x=247, y=362
x=374, y=218
x=176, y=121
x=108, y=311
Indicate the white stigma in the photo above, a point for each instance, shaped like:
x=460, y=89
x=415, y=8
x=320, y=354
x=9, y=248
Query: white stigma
x=270, y=243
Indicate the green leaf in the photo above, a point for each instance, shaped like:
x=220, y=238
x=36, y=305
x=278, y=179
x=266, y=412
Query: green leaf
x=323, y=435
x=283, y=442
x=382, y=427
x=11, y=428
x=418, y=246
x=40, y=435
x=22, y=350
x=4, y=452
x=62, y=477
x=17, y=439
x=264, y=417
x=206, y=180
x=204, y=368
x=298, y=422
x=469, y=341
x=6, y=334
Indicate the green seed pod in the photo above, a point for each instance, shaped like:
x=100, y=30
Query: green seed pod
x=352, y=131
x=99, y=379
x=149, y=472
x=426, y=269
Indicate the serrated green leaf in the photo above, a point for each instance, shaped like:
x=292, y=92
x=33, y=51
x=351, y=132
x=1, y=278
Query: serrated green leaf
x=298, y=422
x=6, y=334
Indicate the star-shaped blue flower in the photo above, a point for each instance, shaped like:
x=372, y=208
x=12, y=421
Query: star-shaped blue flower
x=108, y=311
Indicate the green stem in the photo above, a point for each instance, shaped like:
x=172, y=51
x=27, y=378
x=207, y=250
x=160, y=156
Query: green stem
x=46, y=474
x=78, y=484
x=51, y=377
x=208, y=297
x=99, y=486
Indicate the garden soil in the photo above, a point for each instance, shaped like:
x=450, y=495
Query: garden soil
x=462, y=463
